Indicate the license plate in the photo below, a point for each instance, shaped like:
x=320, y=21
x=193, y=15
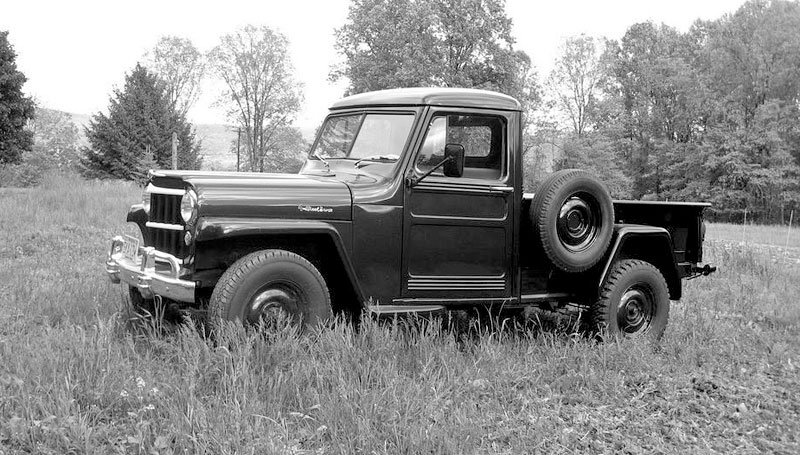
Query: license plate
x=130, y=248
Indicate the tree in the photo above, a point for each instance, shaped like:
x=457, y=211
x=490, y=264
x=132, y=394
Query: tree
x=754, y=56
x=660, y=97
x=55, y=139
x=751, y=140
x=387, y=44
x=261, y=94
x=16, y=109
x=577, y=79
x=451, y=43
x=181, y=66
x=137, y=132
x=288, y=155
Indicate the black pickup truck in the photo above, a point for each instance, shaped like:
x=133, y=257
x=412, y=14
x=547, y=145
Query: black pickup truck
x=411, y=200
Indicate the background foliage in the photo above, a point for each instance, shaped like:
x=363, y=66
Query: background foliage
x=261, y=96
x=16, y=109
x=711, y=113
x=136, y=135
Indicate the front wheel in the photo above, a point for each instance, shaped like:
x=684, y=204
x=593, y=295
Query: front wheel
x=264, y=283
x=633, y=301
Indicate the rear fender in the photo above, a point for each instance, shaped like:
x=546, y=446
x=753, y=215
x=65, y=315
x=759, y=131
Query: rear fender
x=648, y=243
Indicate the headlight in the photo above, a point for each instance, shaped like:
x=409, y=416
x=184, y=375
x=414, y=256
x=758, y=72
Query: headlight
x=146, y=201
x=189, y=206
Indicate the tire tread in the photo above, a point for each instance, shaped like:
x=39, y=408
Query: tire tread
x=598, y=314
x=219, y=305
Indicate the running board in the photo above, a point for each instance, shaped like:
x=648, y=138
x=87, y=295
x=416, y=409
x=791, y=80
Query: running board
x=382, y=310
x=416, y=308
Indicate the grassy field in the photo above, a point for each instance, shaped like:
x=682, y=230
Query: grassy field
x=75, y=377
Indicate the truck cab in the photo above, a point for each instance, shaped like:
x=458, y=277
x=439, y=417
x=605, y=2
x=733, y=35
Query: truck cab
x=410, y=200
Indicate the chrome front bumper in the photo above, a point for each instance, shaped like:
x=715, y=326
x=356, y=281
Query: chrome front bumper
x=142, y=274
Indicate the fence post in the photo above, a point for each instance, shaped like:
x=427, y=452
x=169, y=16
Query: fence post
x=238, y=141
x=744, y=225
x=174, y=150
x=788, y=231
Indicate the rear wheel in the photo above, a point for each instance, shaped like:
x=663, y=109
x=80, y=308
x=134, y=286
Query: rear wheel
x=573, y=217
x=633, y=301
x=265, y=283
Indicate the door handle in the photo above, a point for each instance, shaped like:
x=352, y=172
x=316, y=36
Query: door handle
x=501, y=189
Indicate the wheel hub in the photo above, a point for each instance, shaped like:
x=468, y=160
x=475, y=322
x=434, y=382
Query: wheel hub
x=577, y=223
x=273, y=300
x=635, y=311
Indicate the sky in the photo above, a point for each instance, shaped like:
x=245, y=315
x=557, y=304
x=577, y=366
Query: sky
x=74, y=53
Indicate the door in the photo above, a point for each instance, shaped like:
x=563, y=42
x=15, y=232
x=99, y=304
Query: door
x=458, y=231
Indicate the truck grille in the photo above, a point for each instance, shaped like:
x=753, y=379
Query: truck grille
x=165, y=210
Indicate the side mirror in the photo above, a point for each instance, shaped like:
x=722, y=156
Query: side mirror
x=453, y=160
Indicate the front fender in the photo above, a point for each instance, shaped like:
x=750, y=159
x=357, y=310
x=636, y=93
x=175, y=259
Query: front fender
x=648, y=243
x=211, y=229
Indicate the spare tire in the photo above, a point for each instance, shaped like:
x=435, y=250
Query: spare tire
x=573, y=219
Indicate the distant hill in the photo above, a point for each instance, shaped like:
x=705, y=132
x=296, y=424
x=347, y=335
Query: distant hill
x=217, y=146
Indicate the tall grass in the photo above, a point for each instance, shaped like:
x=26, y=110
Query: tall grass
x=75, y=378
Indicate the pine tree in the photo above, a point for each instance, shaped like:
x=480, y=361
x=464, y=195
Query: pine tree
x=15, y=108
x=137, y=132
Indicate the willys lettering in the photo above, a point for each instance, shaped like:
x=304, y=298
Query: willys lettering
x=314, y=208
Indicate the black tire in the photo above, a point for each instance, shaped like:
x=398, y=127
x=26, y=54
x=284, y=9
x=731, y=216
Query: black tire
x=149, y=309
x=139, y=304
x=573, y=219
x=269, y=280
x=633, y=301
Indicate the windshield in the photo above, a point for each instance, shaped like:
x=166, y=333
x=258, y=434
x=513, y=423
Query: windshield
x=378, y=137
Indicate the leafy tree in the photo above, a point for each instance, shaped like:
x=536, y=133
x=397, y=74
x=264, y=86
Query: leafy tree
x=388, y=44
x=452, y=43
x=577, y=79
x=16, y=109
x=261, y=94
x=751, y=60
x=754, y=56
x=600, y=154
x=660, y=98
x=55, y=139
x=137, y=132
x=181, y=66
x=288, y=155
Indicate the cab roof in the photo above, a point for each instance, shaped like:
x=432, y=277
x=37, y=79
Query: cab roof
x=430, y=96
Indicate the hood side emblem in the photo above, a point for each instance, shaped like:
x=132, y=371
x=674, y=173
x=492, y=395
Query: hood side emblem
x=315, y=208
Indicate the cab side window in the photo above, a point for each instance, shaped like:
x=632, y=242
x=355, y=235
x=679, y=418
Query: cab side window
x=483, y=139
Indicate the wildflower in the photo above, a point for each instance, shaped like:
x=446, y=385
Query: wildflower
x=149, y=407
x=154, y=390
x=124, y=394
x=140, y=383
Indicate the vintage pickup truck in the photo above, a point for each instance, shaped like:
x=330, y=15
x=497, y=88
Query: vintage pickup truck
x=411, y=200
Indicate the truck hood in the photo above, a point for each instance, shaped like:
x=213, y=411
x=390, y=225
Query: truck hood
x=284, y=196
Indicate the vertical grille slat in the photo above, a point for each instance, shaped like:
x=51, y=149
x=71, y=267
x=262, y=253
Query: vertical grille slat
x=171, y=209
x=162, y=216
x=165, y=208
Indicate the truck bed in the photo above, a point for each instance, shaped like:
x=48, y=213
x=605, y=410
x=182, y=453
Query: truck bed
x=683, y=220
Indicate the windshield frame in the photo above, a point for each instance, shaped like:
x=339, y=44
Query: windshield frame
x=313, y=156
x=412, y=111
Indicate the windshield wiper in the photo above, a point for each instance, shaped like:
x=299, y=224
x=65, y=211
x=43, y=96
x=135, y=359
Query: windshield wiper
x=324, y=161
x=376, y=159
